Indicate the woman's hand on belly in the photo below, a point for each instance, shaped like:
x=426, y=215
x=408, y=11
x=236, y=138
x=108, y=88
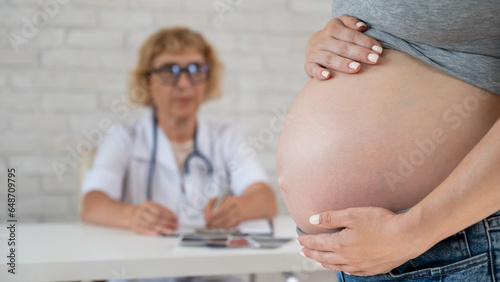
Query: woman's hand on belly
x=373, y=241
x=340, y=46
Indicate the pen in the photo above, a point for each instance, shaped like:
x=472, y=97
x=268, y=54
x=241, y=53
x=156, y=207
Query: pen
x=221, y=198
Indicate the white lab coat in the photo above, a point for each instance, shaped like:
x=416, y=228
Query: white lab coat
x=121, y=167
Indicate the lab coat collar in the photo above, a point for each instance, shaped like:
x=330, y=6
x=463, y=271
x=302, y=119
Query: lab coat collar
x=165, y=155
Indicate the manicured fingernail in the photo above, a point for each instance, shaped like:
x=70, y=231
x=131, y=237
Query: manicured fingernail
x=360, y=24
x=325, y=74
x=281, y=183
x=354, y=65
x=377, y=49
x=347, y=273
x=319, y=264
x=373, y=58
x=302, y=254
x=297, y=241
x=314, y=219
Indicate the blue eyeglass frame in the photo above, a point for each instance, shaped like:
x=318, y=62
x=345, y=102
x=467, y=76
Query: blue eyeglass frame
x=177, y=70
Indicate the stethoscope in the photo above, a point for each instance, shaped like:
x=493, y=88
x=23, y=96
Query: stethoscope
x=195, y=153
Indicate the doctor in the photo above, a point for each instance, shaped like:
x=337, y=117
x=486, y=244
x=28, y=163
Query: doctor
x=168, y=168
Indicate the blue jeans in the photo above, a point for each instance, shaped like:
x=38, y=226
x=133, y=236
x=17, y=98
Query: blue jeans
x=472, y=254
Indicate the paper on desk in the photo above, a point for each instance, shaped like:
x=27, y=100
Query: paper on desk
x=257, y=226
x=186, y=230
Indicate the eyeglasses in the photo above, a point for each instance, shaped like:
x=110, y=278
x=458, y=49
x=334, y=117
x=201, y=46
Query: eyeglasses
x=169, y=74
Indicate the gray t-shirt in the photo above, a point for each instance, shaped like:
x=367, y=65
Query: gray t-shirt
x=459, y=37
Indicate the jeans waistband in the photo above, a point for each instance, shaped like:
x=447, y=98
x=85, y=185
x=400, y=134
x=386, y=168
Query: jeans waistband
x=475, y=233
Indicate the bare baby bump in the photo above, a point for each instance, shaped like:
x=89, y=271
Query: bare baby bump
x=384, y=137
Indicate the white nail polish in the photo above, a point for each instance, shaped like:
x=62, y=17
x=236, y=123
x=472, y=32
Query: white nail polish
x=373, y=58
x=280, y=183
x=377, y=49
x=360, y=24
x=314, y=219
x=354, y=65
x=325, y=74
x=319, y=264
x=302, y=254
x=297, y=241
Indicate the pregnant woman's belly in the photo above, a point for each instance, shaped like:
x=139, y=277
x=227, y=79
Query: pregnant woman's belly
x=384, y=137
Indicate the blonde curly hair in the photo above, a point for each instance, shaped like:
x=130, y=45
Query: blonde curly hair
x=174, y=41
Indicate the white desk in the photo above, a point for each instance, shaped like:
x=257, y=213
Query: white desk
x=77, y=251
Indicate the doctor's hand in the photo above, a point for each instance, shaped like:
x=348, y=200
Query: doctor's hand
x=227, y=215
x=153, y=219
x=340, y=46
x=372, y=241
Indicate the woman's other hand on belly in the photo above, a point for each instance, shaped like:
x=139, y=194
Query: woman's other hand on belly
x=340, y=46
x=372, y=241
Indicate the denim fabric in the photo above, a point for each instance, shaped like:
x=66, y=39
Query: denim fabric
x=470, y=255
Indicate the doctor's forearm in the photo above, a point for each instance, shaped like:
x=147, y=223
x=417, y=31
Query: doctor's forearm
x=99, y=208
x=259, y=202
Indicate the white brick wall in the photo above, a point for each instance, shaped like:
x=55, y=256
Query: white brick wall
x=45, y=39
x=270, y=7
x=100, y=4
x=155, y=4
x=39, y=122
x=67, y=71
x=95, y=38
x=38, y=79
x=19, y=144
x=25, y=101
x=125, y=19
x=69, y=58
x=4, y=122
x=104, y=81
x=11, y=58
x=74, y=17
x=68, y=102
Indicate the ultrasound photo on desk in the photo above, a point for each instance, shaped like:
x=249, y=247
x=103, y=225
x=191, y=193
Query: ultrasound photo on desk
x=220, y=241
